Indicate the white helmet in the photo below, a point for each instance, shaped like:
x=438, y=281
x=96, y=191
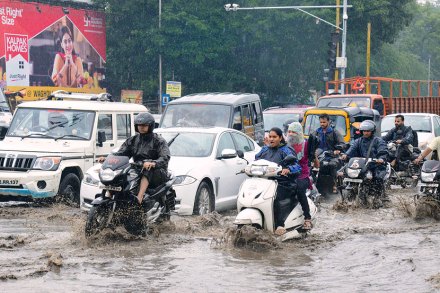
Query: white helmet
x=368, y=125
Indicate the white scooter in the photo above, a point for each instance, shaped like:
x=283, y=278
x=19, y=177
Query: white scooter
x=255, y=203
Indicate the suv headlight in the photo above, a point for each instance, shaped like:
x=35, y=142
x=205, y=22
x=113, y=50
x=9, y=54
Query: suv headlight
x=428, y=177
x=47, y=163
x=353, y=173
x=184, y=180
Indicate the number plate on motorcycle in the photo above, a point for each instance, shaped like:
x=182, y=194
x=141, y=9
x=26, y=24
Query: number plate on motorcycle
x=352, y=180
x=428, y=184
x=9, y=182
x=109, y=187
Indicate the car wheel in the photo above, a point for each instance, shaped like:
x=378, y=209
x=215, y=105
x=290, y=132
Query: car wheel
x=69, y=190
x=204, y=202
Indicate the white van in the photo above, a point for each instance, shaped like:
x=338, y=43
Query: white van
x=240, y=111
x=50, y=144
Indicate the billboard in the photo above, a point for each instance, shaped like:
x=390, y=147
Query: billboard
x=48, y=47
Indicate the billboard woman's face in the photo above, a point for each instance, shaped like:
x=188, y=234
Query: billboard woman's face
x=67, y=44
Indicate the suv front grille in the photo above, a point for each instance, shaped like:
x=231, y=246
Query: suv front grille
x=14, y=162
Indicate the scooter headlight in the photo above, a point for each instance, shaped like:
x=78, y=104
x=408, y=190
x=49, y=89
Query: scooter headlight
x=353, y=173
x=428, y=177
x=108, y=174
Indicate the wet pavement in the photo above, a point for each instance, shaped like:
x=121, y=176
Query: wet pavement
x=43, y=249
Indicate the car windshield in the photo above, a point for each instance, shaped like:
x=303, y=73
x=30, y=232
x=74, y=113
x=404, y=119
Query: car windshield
x=189, y=144
x=345, y=102
x=53, y=123
x=417, y=123
x=196, y=115
x=312, y=123
x=277, y=119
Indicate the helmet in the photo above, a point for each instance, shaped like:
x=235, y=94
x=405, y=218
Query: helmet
x=286, y=124
x=146, y=119
x=367, y=125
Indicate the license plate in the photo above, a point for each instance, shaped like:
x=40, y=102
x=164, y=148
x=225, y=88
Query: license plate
x=428, y=184
x=9, y=182
x=109, y=187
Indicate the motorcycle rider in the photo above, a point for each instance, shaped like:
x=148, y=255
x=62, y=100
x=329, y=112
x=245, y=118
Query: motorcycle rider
x=328, y=138
x=402, y=135
x=151, y=149
x=275, y=151
x=370, y=146
x=296, y=140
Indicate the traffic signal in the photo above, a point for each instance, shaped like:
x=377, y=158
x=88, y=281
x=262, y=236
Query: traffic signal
x=332, y=53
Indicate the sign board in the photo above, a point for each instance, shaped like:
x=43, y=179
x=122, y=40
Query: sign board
x=37, y=40
x=131, y=96
x=165, y=99
x=341, y=62
x=174, y=89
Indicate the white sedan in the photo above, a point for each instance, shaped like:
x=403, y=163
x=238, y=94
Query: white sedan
x=206, y=180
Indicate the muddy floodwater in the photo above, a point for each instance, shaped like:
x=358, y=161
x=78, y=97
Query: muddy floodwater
x=43, y=249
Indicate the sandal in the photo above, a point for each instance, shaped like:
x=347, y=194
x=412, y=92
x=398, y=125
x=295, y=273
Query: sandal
x=280, y=231
x=335, y=189
x=307, y=225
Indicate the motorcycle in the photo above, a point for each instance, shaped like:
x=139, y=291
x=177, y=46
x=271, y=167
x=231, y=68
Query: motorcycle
x=358, y=184
x=117, y=204
x=256, y=197
x=429, y=181
x=405, y=173
x=322, y=176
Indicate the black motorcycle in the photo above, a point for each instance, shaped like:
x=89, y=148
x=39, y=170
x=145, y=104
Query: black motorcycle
x=357, y=182
x=429, y=181
x=118, y=203
x=322, y=177
x=405, y=173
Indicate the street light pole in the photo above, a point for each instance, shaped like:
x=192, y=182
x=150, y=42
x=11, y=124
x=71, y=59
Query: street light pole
x=344, y=42
x=235, y=7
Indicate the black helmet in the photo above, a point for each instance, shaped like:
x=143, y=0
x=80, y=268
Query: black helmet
x=368, y=125
x=144, y=119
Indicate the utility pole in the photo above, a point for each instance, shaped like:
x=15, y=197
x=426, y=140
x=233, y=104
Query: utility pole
x=367, y=86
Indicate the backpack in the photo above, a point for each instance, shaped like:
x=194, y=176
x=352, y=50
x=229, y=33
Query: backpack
x=415, y=142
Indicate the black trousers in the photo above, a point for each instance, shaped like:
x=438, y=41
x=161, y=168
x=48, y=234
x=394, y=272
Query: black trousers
x=303, y=184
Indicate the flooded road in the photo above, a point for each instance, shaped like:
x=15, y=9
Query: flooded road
x=43, y=249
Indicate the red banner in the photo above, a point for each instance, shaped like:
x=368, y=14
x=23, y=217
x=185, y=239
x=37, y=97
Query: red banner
x=46, y=45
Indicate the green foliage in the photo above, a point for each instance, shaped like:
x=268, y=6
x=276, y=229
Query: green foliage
x=279, y=54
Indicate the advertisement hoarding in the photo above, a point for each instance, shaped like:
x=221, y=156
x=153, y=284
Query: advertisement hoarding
x=131, y=96
x=45, y=48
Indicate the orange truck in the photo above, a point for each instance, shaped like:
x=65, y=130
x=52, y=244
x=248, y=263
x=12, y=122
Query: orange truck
x=386, y=95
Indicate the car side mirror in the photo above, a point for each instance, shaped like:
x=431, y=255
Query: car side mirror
x=240, y=154
x=228, y=154
x=101, y=138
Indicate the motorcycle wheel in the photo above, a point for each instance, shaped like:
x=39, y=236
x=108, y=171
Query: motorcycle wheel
x=96, y=220
x=134, y=224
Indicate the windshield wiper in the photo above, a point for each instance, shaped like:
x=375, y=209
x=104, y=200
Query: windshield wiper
x=70, y=135
x=37, y=133
x=172, y=140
